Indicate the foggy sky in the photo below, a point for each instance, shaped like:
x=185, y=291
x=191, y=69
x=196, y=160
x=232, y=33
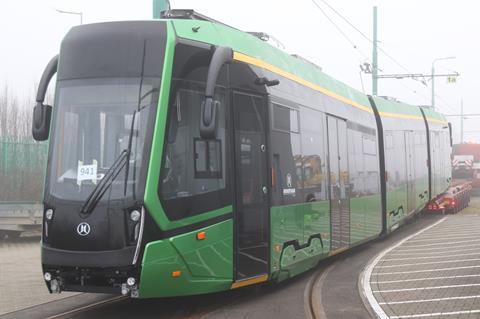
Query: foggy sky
x=413, y=32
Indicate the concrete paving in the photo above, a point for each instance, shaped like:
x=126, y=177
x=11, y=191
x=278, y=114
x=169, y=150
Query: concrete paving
x=340, y=296
x=434, y=273
x=21, y=281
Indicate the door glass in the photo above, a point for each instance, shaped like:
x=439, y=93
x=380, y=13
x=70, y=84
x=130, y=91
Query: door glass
x=334, y=183
x=333, y=156
x=251, y=208
x=409, y=146
x=344, y=183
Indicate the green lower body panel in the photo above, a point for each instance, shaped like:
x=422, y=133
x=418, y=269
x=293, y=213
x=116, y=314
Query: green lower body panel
x=365, y=218
x=183, y=265
x=397, y=202
x=300, y=236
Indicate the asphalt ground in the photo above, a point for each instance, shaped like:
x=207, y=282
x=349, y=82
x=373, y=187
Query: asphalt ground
x=21, y=281
x=433, y=274
x=284, y=300
x=331, y=290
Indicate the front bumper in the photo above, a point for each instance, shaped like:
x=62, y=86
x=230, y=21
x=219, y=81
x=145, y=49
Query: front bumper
x=102, y=259
x=91, y=271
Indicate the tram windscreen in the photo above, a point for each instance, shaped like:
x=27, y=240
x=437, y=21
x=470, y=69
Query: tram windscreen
x=93, y=123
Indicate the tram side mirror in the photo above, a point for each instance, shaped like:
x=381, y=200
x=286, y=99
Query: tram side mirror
x=209, y=107
x=42, y=113
x=208, y=121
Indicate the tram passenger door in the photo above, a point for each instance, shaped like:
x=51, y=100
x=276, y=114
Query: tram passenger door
x=339, y=183
x=410, y=160
x=251, y=189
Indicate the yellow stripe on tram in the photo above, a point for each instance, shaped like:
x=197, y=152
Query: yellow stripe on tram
x=264, y=65
x=250, y=281
x=272, y=68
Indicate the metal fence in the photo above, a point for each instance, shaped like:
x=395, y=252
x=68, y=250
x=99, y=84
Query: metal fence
x=22, y=169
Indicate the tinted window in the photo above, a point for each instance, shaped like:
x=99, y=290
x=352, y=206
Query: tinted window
x=285, y=119
x=287, y=156
x=193, y=177
x=192, y=165
x=313, y=154
x=363, y=161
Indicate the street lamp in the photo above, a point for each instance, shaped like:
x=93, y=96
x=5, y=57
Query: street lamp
x=71, y=12
x=433, y=77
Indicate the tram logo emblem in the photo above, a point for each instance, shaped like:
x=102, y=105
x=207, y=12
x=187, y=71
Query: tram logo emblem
x=289, y=180
x=83, y=229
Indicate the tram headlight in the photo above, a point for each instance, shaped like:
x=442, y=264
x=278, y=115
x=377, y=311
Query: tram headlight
x=131, y=281
x=135, y=215
x=47, y=276
x=55, y=286
x=49, y=214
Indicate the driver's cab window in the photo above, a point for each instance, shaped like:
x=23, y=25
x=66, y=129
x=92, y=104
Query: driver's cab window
x=192, y=165
x=194, y=169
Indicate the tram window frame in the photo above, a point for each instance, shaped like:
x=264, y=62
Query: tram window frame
x=279, y=132
x=190, y=68
x=294, y=122
x=313, y=130
x=369, y=145
x=389, y=143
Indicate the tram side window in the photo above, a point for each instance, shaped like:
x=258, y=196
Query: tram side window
x=421, y=155
x=313, y=155
x=372, y=182
x=192, y=165
x=287, y=181
x=356, y=163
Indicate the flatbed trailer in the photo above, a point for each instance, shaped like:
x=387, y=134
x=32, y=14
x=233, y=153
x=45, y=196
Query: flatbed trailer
x=456, y=198
x=19, y=217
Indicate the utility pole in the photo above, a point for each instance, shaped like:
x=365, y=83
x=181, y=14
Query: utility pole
x=461, y=122
x=159, y=6
x=374, y=55
x=433, y=85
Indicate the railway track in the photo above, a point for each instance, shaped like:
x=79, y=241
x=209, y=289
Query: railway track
x=313, y=294
x=73, y=312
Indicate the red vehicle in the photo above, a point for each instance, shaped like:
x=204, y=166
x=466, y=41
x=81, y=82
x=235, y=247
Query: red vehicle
x=466, y=163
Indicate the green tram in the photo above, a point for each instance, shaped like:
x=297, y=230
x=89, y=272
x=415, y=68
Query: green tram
x=188, y=157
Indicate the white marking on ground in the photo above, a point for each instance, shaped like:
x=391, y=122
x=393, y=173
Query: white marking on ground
x=449, y=248
x=426, y=288
x=474, y=234
x=426, y=270
x=429, y=263
x=432, y=257
x=436, y=314
x=366, y=276
x=444, y=244
x=436, y=252
x=466, y=229
x=428, y=300
x=424, y=279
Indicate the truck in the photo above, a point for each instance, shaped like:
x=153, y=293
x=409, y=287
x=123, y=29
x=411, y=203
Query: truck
x=466, y=163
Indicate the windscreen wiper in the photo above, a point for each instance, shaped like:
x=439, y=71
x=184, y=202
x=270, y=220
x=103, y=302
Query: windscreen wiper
x=105, y=182
x=129, y=150
x=130, y=139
